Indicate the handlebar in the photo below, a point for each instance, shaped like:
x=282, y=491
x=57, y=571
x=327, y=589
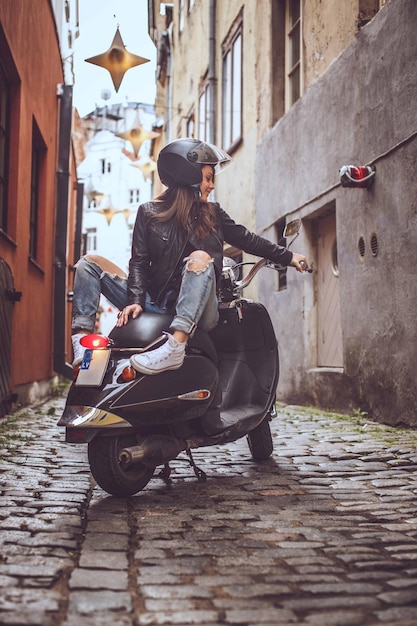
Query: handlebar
x=305, y=268
x=242, y=284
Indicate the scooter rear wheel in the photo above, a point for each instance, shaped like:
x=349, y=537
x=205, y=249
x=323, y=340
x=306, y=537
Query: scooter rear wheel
x=109, y=473
x=260, y=441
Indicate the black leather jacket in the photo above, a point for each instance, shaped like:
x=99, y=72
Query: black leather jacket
x=157, y=248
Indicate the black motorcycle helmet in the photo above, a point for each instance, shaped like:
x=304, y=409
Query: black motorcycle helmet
x=180, y=162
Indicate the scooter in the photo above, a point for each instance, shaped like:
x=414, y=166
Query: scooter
x=225, y=390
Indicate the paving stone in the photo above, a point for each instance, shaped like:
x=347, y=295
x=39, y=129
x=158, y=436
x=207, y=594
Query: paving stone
x=115, y=580
x=99, y=560
x=88, y=602
x=275, y=616
x=180, y=617
x=177, y=591
x=33, y=601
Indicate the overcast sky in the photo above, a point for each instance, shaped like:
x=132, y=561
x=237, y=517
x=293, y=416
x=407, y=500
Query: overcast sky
x=98, y=22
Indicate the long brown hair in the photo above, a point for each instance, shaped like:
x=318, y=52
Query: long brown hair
x=181, y=203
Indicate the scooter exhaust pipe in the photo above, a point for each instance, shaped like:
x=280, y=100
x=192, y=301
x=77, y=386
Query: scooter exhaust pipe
x=153, y=450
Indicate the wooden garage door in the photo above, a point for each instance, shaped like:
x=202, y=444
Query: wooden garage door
x=329, y=340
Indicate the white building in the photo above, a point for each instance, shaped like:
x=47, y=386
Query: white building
x=117, y=177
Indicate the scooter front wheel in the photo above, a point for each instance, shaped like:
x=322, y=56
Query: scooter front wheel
x=260, y=441
x=109, y=473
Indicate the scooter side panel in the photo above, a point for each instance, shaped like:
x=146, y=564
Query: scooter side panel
x=160, y=399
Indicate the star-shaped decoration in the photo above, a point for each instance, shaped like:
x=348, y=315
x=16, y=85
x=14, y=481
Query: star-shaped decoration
x=146, y=166
x=117, y=60
x=137, y=135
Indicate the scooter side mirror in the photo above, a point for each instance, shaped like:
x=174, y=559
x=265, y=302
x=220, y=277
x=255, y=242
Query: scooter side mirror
x=292, y=228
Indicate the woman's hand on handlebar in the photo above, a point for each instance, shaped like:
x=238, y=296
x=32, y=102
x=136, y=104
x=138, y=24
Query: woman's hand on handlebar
x=133, y=310
x=300, y=262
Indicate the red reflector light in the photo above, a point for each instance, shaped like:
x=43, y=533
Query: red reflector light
x=75, y=435
x=94, y=342
x=361, y=176
x=358, y=173
x=128, y=374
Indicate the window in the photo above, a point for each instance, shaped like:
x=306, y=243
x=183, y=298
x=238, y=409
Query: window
x=282, y=274
x=105, y=166
x=91, y=240
x=4, y=141
x=181, y=16
x=204, y=104
x=36, y=184
x=232, y=87
x=294, y=49
x=134, y=195
x=190, y=125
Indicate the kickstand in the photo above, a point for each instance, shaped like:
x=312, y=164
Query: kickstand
x=165, y=474
x=201, y=476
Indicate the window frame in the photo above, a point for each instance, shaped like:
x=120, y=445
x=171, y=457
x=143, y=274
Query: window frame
x=232, y=86
x=5, y=106
x=190, y=124
x=204, y=102
x=293, y=43
x=37, y=191
x=91, y=236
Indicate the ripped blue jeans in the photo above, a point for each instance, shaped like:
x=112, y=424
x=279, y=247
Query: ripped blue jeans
x=196, y=304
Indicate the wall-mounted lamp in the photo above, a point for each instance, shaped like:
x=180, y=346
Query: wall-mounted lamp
x=359, y=176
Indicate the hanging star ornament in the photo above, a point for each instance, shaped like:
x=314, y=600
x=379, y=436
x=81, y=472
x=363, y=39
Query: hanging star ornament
x=137, y=135
x=146, y=166
x=117, y=60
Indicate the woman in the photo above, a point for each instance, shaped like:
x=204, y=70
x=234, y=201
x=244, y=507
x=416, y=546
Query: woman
x=177, y=255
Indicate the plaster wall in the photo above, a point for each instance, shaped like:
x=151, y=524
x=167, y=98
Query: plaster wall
x=328, y=28
x=361, y=110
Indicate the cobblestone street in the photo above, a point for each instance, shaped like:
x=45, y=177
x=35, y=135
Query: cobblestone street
x=324, y=533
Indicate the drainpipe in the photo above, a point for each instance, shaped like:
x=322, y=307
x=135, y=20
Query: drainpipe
x=170, y=64
x=212, y=70
x=61, y=231
x=78, y=221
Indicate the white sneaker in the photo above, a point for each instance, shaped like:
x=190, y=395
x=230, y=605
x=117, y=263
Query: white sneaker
x=170, y=356
x=77, y=349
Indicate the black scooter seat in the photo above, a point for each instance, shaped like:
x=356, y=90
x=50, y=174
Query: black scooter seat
x=146, y=328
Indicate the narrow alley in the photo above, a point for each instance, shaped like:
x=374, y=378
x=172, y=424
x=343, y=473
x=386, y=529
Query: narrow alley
x=323, y=533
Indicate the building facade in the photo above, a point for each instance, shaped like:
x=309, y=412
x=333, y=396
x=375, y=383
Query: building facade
x=347, y=333
x=38, y=199
x=294, y=90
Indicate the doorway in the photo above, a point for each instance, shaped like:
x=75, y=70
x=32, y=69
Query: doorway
x=329, y=327
x=6, y=311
